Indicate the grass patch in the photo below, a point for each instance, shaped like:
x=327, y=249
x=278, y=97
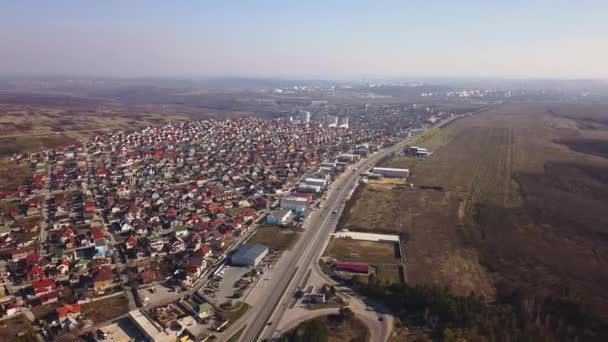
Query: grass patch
x=363, y=251
x=234, y=315
x=13, y=175
x=106, y=309
x=43, y=311
x=275, y=237
x=16, y=326
x=389, y=274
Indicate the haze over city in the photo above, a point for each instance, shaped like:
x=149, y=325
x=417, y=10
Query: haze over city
x=304, y=171
x=306, y=39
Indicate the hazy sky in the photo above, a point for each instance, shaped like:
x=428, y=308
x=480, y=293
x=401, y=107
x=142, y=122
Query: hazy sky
x=306, y=38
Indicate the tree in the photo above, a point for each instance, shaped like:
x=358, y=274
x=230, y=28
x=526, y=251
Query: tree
x=346, y=313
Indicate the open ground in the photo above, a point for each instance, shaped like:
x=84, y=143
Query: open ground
x=514, y=198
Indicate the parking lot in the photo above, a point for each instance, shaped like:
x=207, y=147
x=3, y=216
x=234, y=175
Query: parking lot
x=226, y=288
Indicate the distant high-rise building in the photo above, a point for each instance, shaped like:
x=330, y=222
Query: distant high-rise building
x=305, y=117
x=344, y=122
x=331, y=120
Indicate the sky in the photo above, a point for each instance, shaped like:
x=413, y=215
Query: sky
x=306, y=38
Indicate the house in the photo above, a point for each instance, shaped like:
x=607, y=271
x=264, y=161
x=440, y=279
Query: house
x=148, y=276
x=180, y=231
x=204, y=251
x=18, y=254
x=64, y=267
x=68, y=311
x=101, y=247
x=103, y=278
x=280, y=217
x=177, y=245
x=43, y=287
x=35, y=272
x=131, y=242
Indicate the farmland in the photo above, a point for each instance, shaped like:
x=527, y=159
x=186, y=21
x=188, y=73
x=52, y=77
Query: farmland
x=511, y=200
x=364, y=251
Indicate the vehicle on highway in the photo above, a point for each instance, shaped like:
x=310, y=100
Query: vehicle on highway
x=334, y=212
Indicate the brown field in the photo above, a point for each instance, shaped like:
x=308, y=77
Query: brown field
x=363, y=251
x=520, y=204
x=106, y=309
x=12, y=327
x=29, y=126
x=274, y=237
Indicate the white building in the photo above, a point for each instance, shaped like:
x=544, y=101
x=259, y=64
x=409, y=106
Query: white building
x=327, y=169
x=343, y=123
x=316, y=181
x=297, y=204
x=153, y=332
x=303, y=187
x=279, y=217
x=391, y=172
x=305, y=117
x=349, y=158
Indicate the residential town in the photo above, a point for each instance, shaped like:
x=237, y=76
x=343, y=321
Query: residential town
x=123, y=211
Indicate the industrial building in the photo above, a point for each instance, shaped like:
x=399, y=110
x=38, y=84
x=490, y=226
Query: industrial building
x=297, y=203
x=153, y=331
x=316, y=181
x=303, y=187
x=419, y=151
x=327, y=169
x=349, y=158
x=361, y=152
x=390, y=172
x=249, y=255
x=279, y=217
x=329, y=163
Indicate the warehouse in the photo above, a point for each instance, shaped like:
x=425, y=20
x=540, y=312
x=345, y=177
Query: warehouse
x=249, y=255
x=316, y=181
x=303, y=187
x=279, y=217
x=297, y=203
x=419, y=151
x=391, y=172
x=348, y=158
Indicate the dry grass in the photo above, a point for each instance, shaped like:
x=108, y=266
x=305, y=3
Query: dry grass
x=362, y=251
x=522, y=206
x=275, y=237
x=106, y=309
x=12, y=327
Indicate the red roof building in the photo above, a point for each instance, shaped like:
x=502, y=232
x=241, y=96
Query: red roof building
x=43, y=286
x=353, y=267
x=68, y=310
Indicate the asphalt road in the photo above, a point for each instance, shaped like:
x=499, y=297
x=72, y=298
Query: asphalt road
x=324, y=223
x=262, y=320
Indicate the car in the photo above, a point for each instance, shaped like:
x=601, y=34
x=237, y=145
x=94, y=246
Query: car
x=269, y=323
x=334, y=212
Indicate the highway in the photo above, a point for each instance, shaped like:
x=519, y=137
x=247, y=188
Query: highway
x=272, y=300
x=289, y=273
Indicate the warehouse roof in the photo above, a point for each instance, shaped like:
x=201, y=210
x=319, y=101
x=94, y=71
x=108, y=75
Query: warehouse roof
x=250, y=251
x=389, y=169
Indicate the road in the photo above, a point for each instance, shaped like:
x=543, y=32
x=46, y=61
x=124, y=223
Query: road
x=262, y=320
x=289, y=273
